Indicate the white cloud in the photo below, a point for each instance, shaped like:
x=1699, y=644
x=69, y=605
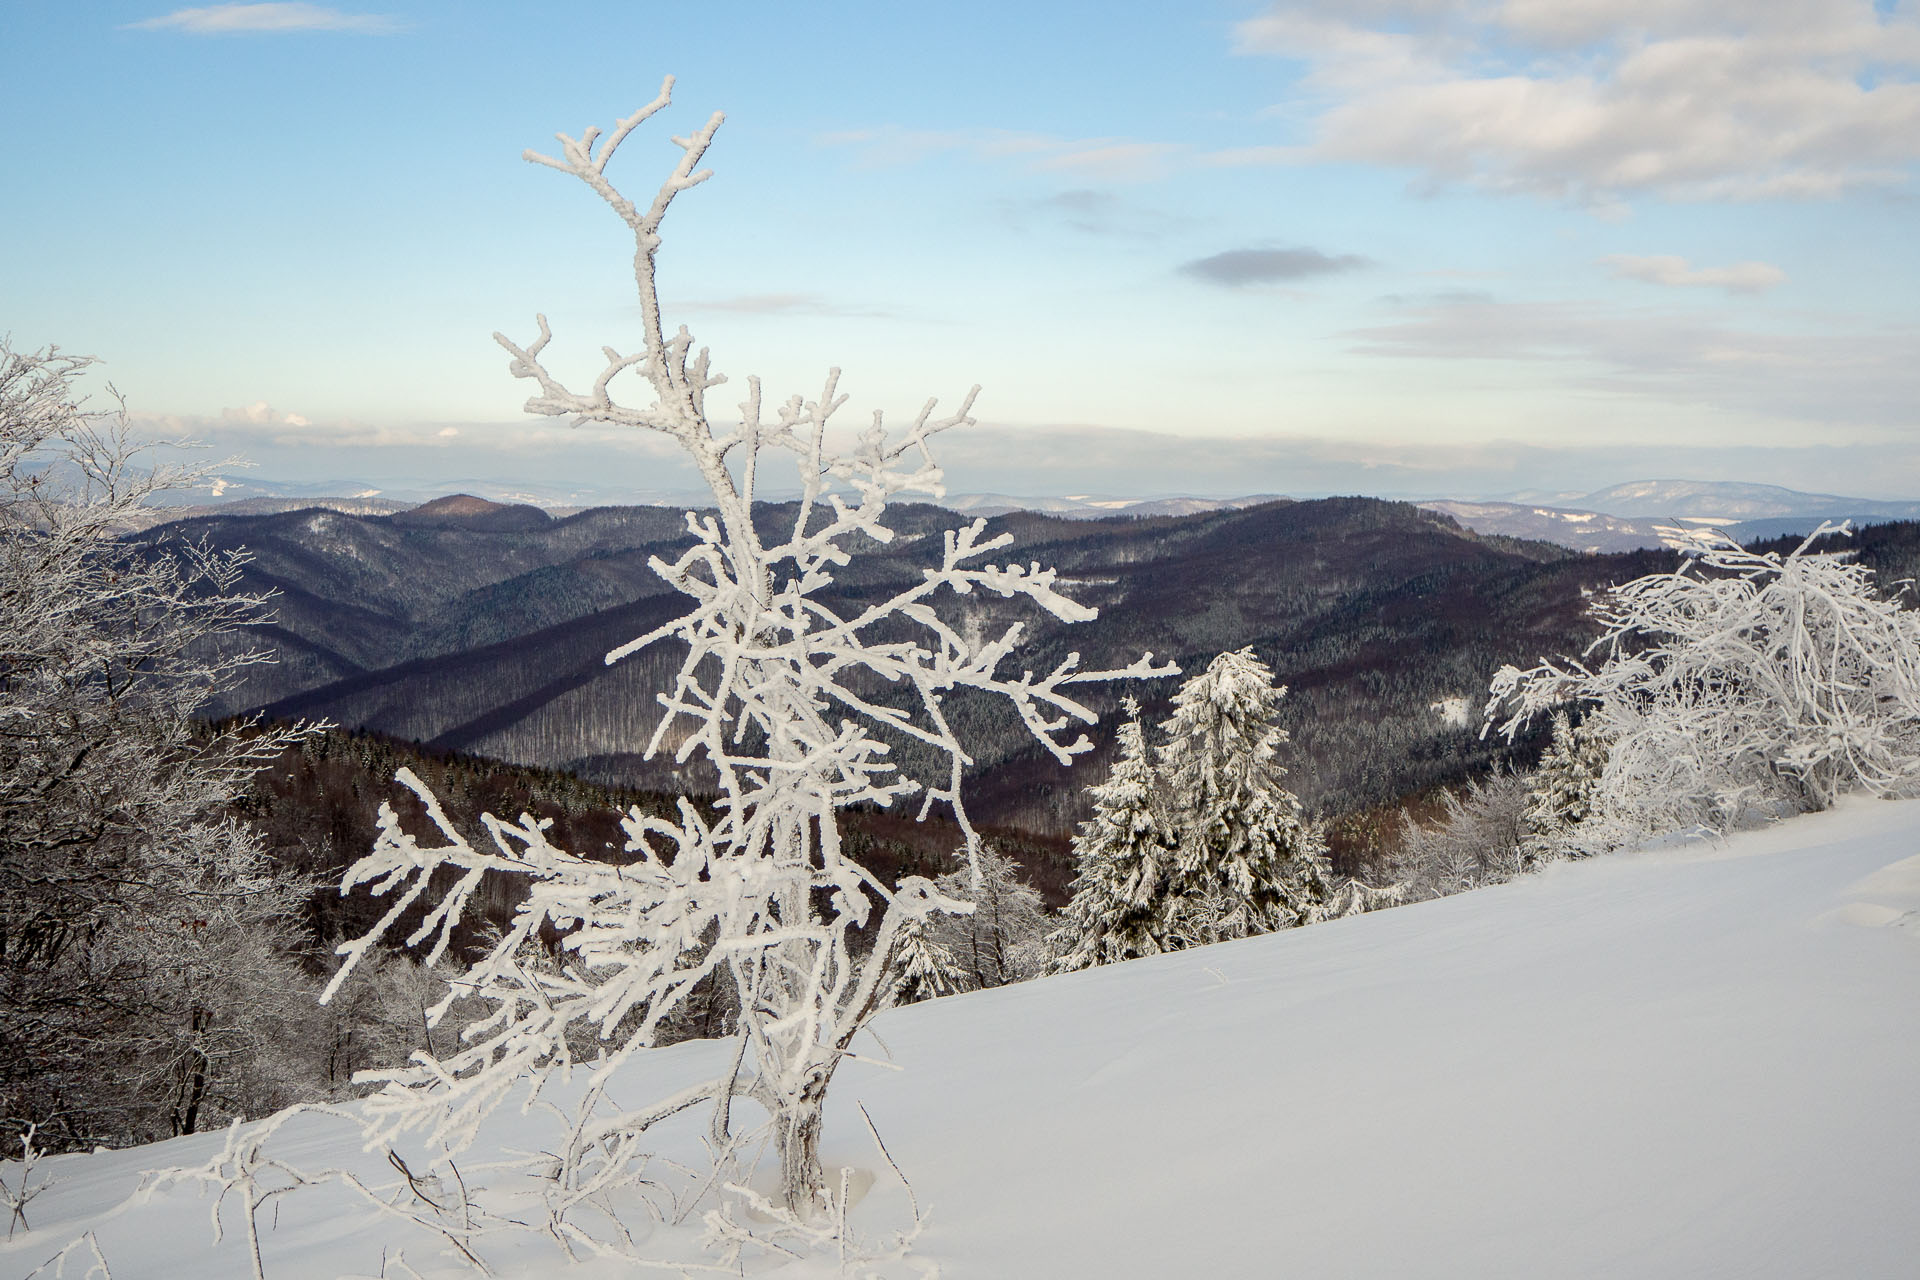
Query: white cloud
x=260, y=413
x=1670, y=269
x=1600, y=100
x=234, y=19
x=447, y=433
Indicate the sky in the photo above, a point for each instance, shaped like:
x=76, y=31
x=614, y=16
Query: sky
x=1432, y=247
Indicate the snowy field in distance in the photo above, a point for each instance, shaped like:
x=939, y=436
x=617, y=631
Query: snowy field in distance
x=1690, y=1062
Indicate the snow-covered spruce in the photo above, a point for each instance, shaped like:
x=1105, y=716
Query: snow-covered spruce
x=1197, y=841
x=922, y=965
x=778, y=692
x=1740, y=684
x=1123, y=856
x=1239, y=837
x=1563, y=793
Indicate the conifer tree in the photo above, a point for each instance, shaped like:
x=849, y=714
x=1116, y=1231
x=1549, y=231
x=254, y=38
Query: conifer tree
x=1197, y=842
x=1245, y=862
x=1241, y=845
x=1562, y=793
x=1124, y=860
x=924, y=967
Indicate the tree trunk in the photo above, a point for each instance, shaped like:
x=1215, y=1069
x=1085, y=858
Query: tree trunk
x=797, y=1138
x=193, y=1081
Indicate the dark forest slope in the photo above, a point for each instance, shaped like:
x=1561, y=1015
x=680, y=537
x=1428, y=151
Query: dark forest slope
x=481, y=628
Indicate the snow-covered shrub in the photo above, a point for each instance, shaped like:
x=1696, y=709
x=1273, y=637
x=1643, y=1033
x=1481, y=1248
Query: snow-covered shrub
x=145, y=986
x=1741, y=683
x=1476, y=840
x=1195, y=842
x=1000, y=938
x=790, y=702
x=379, y=1017
x=1357, y=898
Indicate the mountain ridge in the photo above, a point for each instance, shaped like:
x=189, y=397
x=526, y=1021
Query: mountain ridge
x=487, y=638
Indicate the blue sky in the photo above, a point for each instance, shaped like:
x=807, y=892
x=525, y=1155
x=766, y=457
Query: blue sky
x=1400, y=246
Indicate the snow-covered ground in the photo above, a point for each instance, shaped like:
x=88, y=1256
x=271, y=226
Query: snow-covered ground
x=1692, y=1062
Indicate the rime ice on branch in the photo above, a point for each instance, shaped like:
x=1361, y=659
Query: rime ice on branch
x=1739, y=683
x=778, y=690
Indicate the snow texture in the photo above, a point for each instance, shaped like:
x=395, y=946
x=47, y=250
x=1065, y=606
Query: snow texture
x=1691, y=1061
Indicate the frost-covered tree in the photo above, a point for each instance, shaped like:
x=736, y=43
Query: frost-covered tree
x=791, y=701
x=1196, y=841
x=1240, y=844
x=923, y=966
x=1740, y=683
x=1357, y=898
x=1123, y=858
x=1003, y=939
x=1563, y=793
x=143, y=984
x=1475, y=840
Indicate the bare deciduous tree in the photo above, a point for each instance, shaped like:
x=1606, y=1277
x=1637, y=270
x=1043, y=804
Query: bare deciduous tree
x=124, y=885
x=791, y=702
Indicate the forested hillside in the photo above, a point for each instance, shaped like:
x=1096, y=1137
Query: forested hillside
x=481, y=628
x=315, y=808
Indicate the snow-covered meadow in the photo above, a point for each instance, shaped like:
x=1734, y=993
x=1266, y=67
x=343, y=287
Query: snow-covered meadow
x=1695, y=1061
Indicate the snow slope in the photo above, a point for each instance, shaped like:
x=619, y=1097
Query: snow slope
x=1696, y=1061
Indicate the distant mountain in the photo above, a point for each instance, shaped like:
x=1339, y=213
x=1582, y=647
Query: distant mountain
x=1589, y=531
x=225, y=489
x=1726, y=500
x=1626, y=516
x=222, y=490
x=482, y=627
x=271, y=506
x=464, y=510
x=1088, y=507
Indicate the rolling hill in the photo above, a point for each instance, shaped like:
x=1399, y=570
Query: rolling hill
x=482, y=627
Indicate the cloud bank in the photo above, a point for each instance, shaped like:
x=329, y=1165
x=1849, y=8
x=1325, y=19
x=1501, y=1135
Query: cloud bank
x=240, y=19
x=1596, y=101
x=1862, y=382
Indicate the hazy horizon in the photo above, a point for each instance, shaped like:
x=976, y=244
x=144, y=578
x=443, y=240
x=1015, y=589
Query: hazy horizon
x=1403, y=247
